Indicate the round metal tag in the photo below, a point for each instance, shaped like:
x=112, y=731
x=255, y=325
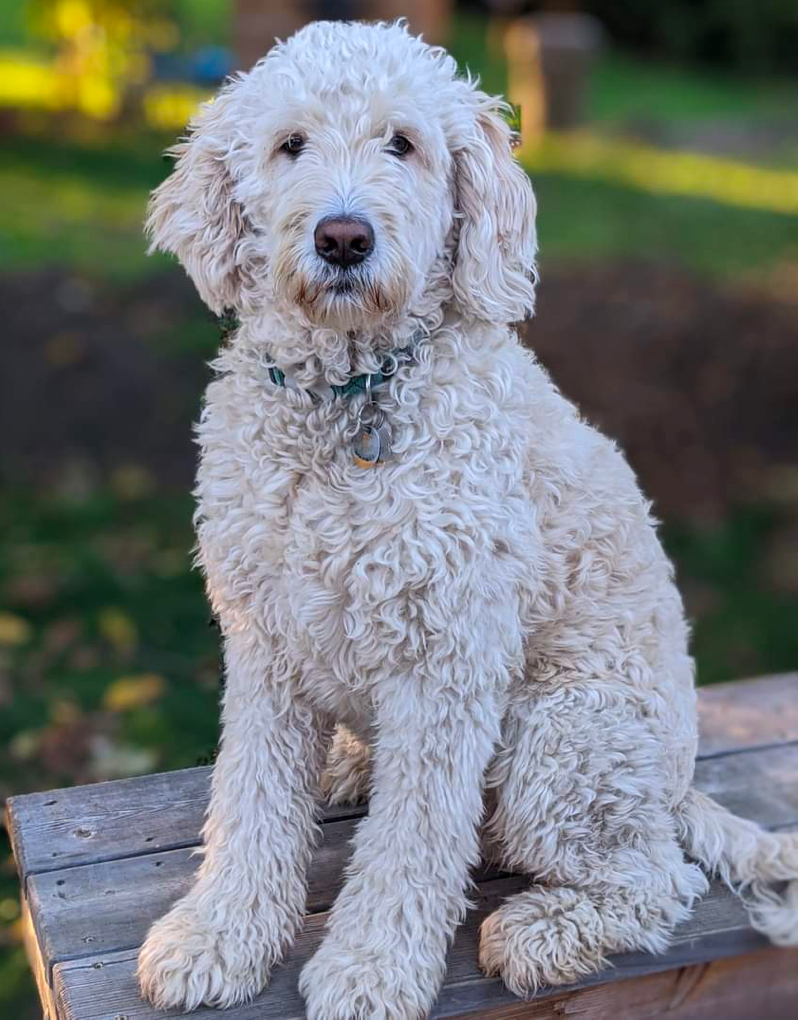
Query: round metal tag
x=366, y=447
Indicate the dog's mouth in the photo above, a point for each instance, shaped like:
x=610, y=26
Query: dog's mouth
x=343, y=284
x=352, y=287
x=344, y=293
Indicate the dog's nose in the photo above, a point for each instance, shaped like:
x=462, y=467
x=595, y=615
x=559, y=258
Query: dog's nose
x=344, y=240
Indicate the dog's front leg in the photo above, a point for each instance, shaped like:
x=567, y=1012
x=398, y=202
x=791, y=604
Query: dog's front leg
x=384, y=955
x=218, y=944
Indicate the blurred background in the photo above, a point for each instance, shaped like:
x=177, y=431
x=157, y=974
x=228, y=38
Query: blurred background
x=661, y=139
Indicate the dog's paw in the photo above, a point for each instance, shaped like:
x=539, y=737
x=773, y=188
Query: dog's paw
x=345, y=780
x=531, y=944
x=342, y=984
x=185, y=962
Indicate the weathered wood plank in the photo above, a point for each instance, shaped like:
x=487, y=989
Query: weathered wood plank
x=758, y=784
x=745, y=714
x=117, y=819
x=110, y=905
x=104, y=986
x=761, y=984
x=41, y=970
x=97, y=822
x=122, y=818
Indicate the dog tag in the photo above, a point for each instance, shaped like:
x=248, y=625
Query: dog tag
x=366, y=447
x=384, y=432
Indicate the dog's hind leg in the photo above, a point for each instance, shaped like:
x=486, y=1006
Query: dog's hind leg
x=345, y=780
x=580, y=805
x=557, y=934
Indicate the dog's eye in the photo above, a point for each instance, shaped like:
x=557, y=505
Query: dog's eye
x=293, y=145
x=399, y=146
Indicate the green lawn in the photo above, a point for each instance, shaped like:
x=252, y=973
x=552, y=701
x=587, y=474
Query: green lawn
x=626, y=88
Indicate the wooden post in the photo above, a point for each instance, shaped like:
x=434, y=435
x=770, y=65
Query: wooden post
x=526, y=80
x=257, y=23
x=549, y=61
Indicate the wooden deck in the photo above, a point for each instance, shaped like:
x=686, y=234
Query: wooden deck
x=99, y=863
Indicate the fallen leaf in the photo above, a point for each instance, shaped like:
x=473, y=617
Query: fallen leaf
x=131, y=481
x=64, y=712
x=14, y=630
x=133, y=691
x=25, y=744
x=64, y=348
x=9, y=909
x=118, y=629
x=61, y=634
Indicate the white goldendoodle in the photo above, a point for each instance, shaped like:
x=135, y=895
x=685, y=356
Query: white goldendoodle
x=409, y=533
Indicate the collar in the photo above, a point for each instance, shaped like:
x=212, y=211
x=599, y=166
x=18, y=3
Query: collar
x=364, y=383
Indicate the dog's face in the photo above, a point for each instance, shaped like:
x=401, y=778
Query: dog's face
x=353, y=199
x=349, y=174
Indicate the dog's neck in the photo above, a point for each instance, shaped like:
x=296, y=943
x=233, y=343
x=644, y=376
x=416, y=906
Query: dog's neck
x=313, y=353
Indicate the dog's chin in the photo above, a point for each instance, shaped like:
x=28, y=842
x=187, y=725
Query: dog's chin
x=345, y=301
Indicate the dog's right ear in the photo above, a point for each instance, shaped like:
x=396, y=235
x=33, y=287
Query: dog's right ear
x=194, y=215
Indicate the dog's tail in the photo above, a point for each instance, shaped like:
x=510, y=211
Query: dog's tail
x=754, y=863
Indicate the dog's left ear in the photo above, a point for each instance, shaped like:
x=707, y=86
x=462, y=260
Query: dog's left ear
x=494, y=274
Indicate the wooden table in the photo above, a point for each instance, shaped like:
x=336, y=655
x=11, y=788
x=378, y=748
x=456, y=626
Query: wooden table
x=99, y=863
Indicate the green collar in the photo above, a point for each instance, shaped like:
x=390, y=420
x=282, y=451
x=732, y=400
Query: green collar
x=356, y=385
x=365, y=383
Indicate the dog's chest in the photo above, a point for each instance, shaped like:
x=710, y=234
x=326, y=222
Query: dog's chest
x=345, y=561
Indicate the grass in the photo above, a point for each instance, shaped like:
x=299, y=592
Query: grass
x=103, y=603
x=593, y=220
x=202, y=22
x=67, y=194
x=625, y=88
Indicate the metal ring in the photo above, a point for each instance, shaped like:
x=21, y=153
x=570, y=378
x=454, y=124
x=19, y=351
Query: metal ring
x=366, y=414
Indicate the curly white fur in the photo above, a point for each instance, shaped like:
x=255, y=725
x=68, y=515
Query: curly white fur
x=491, y=608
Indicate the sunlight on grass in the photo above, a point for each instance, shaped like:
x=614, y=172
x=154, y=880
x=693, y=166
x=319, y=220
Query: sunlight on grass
x=585, y=220
x=664, y=172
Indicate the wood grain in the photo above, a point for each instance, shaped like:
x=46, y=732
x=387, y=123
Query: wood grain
x=743, y=714
x=760, y=984
x=117, y=819
x=109, y=906
x=105, y=986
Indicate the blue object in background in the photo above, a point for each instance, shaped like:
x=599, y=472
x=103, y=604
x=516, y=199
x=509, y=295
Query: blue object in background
x=207, y=66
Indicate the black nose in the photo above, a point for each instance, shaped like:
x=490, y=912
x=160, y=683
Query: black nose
x=344, y=240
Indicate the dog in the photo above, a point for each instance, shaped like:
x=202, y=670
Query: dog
x=408, y=534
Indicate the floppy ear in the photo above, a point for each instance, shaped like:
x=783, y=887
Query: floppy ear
x=194, y=215
x=494, y=275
